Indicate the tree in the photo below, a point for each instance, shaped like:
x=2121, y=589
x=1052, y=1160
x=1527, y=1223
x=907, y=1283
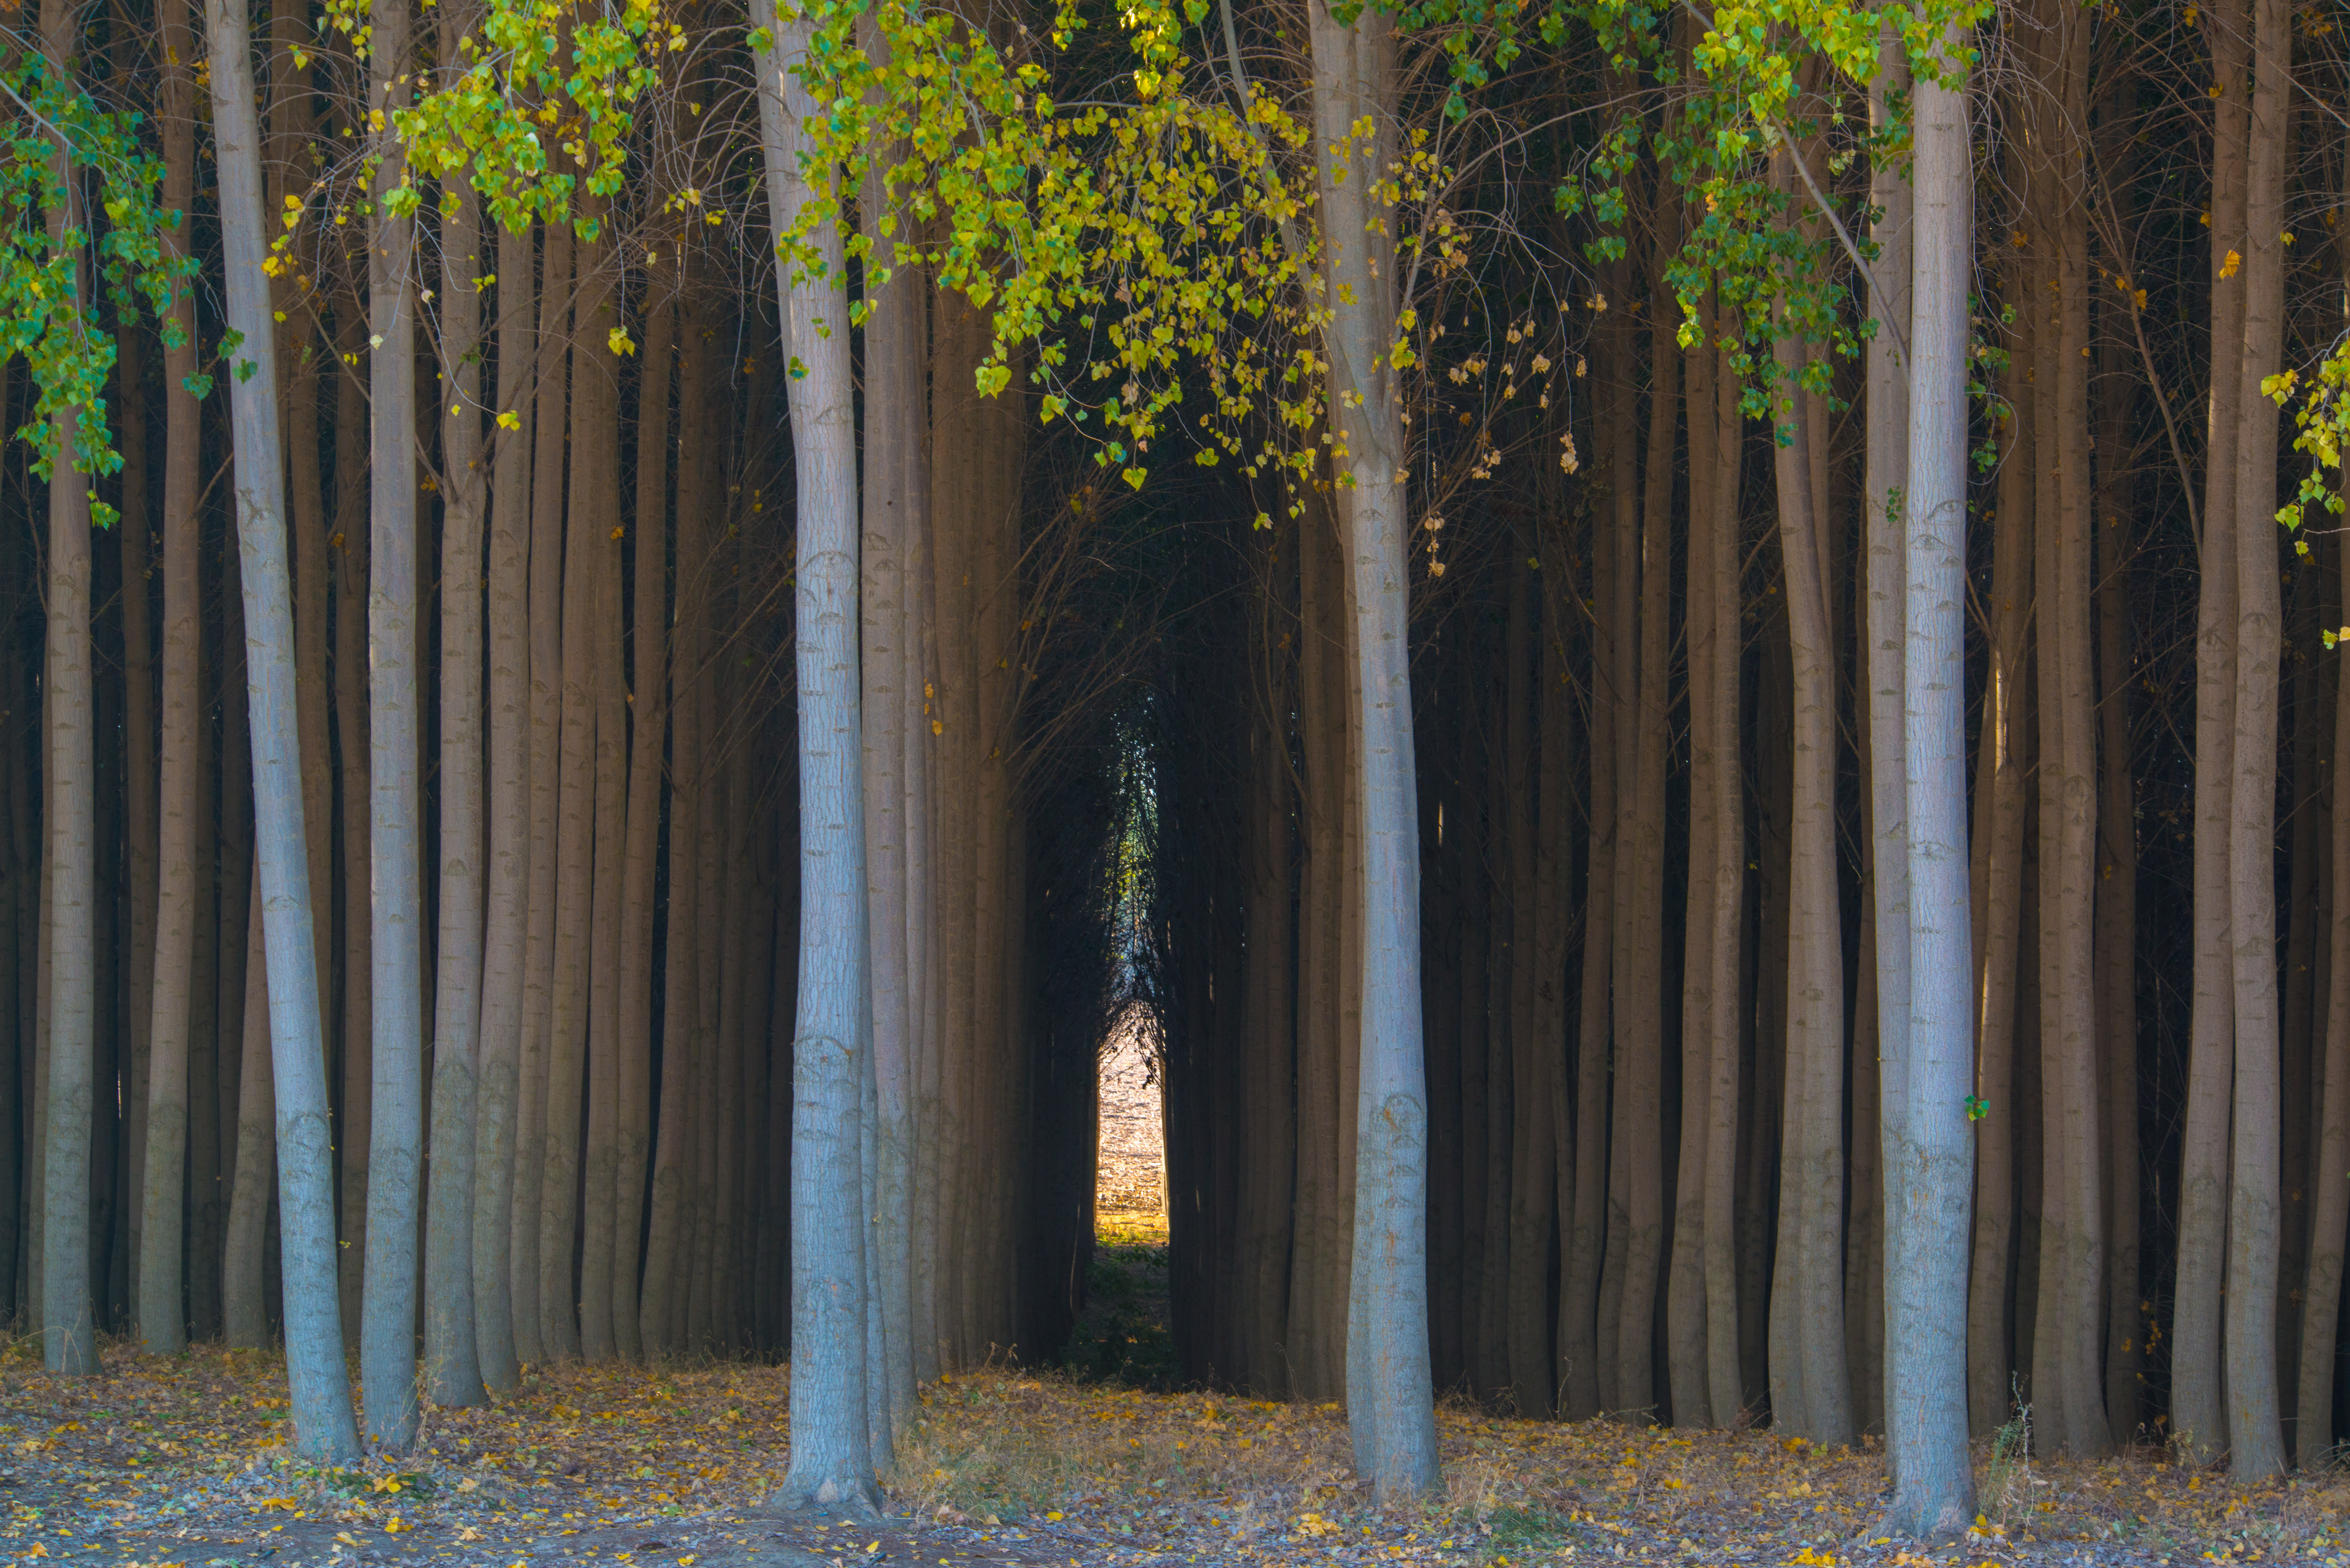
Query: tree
x=324, y=1431
x=832, y=1449
x=1390, y=1402
x=1929, y=1155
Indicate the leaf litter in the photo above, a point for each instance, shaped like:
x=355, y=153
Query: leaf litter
x=184, y=1462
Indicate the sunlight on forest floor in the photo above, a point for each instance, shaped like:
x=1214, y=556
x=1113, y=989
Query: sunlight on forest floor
x=182, y=1462
x=1130, y=1183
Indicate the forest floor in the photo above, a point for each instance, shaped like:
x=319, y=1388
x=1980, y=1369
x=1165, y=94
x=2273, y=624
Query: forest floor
x=183, y=1463
x=1104, y=1462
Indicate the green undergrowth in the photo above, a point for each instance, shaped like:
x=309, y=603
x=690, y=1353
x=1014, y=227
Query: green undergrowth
x=1125, y=1335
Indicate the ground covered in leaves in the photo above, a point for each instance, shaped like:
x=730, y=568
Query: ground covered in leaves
x=184, y=1462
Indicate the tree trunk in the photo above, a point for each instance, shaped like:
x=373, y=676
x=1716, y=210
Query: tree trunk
x=352, y=734
x=2255, y=1437
x=649, y=687
x=69, y=1325
x=396, y=1106
x=453, y=1366
x=496, y=1133
x=1810, y=1392
x=597, y=442
x=2197, y=1418
x=1390, y=1404
x=163, y=1191
x=243, y=1285
x=832, y=1452
x=1928, y=1181
x=546, y=664
x=318, y=1381
x=893, y=381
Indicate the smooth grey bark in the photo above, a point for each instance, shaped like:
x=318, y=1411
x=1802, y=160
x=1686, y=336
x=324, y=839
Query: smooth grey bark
x=894, y=375
x=1929, y=1152
x=2255, y=1435
x=396, y=1108
x=163, y=1189
x=508, y=852
x=67, y=1326
x=832, y=1448
x=244, y=1296
x=1885, y=484
x=2198, y=1421
x=324, y=1431
x=350, y=726
x=453, y=1369
x=1390, y=1401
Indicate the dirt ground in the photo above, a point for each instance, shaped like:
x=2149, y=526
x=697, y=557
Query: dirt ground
x=1102, y=1462
x=183, y=1463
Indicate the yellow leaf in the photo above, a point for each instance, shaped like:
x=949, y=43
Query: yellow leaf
x=2228, y=268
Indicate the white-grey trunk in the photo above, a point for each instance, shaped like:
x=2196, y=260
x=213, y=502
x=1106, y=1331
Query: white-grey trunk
x=832, y=1450
x=317, y=1379
x=1929, y=1154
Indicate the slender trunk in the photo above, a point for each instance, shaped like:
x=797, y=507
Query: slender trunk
x=2198, y=1417
x=142, y=834
x=163, y=1189
x=508, y=851
x=700, y=376
x=2255, y=1437
x=1578, y=1343
x=1389, y=1401
x=599, y=442
x=649, y=687
x=69, y=1327
x=243, y=1286
x=352, y=734
x=832, y=1451
x=2329, y=1214
x=317, y=1379
x=1807, y=1358
x=453, y=1366
x=575, y=838
x=1929, y=1178
x=396, y=1106
x=1533, y=1181
x=545, y=662
x=893, y=381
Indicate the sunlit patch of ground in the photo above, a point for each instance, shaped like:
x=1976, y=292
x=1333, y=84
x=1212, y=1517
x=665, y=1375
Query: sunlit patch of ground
x=1131, y=1189
x=183, y=1461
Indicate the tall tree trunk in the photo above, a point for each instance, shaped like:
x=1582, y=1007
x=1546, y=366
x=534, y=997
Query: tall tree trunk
x=668, y=1243
x=453, y=1367
x=317, y=1379
x=1929, y=1183
x=2197, y=1416
x=352, y=735
x=69, y=1325
x=141, y=833
x=1811, y=1389
x=396, y=1124
x=575, y=837
x=649, y=687
x=546, y=664
x=163, y=1191
x=496, y=1133
x=598, y=441
x=893, y=488
x=1390, y=1404
x=2255, y=1437
x=832, y=1450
